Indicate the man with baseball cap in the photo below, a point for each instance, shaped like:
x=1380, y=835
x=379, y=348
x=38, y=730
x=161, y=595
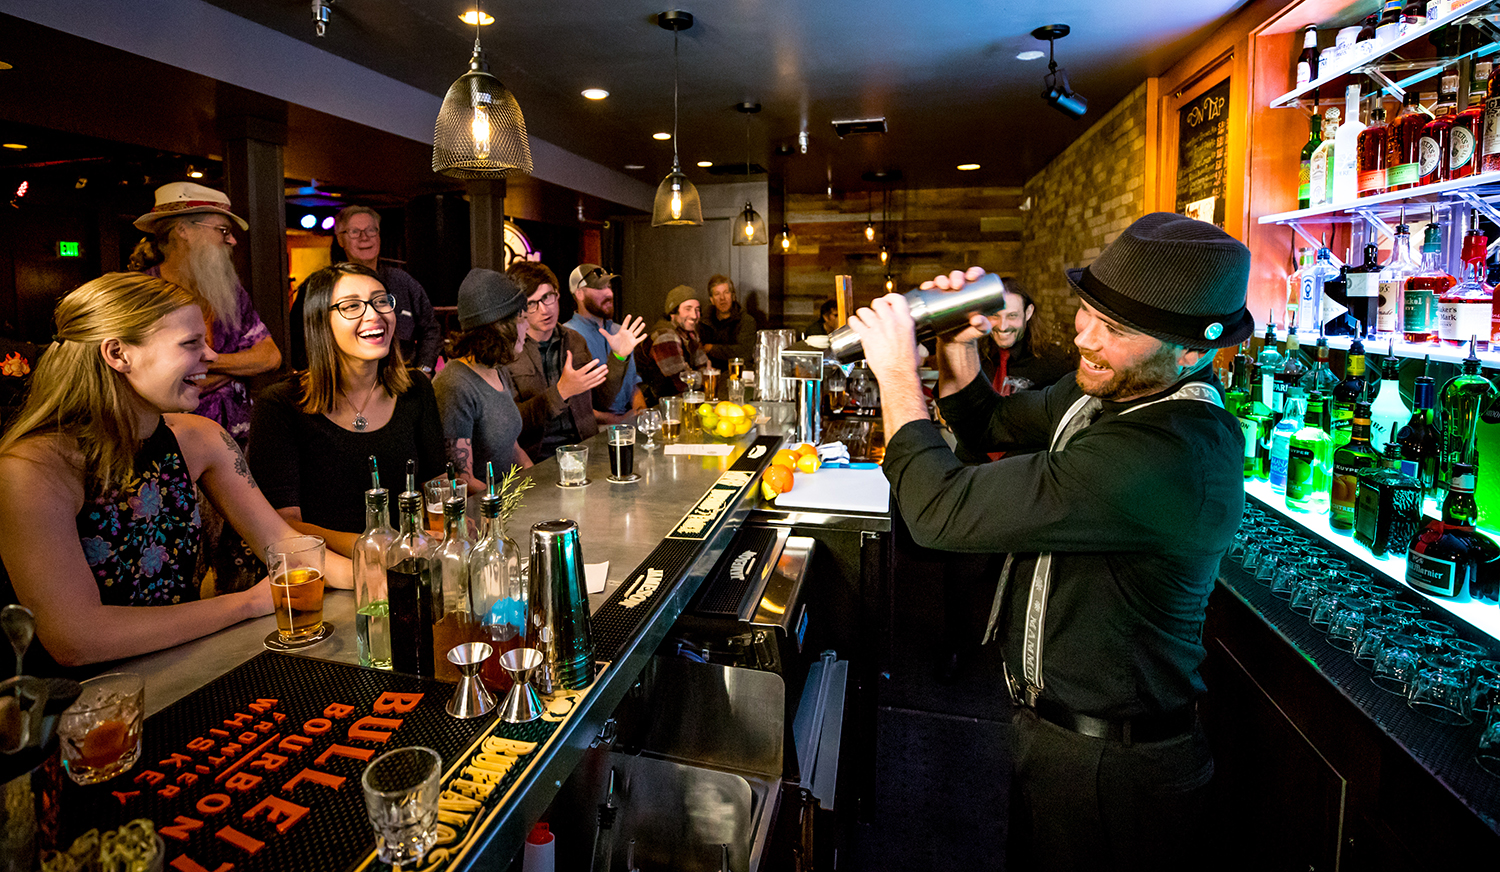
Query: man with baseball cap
x=191, y=234
x=1113, y=522
x=672, y=347
x=594, y=300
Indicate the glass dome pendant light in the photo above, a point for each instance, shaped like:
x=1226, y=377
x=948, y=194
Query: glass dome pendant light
x=749, y=227
x=480, y=132
x=677, y=202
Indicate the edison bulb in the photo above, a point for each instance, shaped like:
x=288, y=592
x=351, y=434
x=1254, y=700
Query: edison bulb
x=676, y=203
x=749, y=230
x=869, y=232
x=884, y=255
x=786, y=242
x=480, y=127
x=890, y=284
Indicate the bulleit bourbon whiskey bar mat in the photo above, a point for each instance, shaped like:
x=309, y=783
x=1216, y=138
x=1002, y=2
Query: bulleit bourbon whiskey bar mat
x=260, y=769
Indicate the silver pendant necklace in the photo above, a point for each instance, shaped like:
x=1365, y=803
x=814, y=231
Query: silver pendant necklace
x=360, y=421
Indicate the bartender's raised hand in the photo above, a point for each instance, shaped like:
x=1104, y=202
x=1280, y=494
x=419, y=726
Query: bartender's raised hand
x=979, y=325
x=585, y=378
x=623, y=341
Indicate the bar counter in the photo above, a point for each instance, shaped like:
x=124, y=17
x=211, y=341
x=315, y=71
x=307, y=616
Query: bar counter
x=620, y=523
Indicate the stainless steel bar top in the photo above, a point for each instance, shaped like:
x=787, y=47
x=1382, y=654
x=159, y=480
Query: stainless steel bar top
x=618, y=523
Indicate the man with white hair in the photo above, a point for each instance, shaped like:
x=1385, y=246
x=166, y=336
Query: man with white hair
x=191, y=236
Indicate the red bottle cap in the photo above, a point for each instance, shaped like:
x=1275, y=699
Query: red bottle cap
x=540, y=835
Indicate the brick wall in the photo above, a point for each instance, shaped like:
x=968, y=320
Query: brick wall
x=1079, y=203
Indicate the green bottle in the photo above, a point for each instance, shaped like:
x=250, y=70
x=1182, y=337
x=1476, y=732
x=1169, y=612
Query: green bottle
x=1309, y=472
x=1349, y=462
x=1463, y=399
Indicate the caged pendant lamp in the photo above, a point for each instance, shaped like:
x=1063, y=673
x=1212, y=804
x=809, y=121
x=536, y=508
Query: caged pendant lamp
x=677, y=201
x=480, y=132
x=748, y=227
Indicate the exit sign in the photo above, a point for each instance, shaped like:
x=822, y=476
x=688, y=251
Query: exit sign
x=68, y=249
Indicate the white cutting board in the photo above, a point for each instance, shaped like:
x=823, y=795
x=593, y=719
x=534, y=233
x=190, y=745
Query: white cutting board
x=848, y=490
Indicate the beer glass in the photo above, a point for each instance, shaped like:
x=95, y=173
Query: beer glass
x=296, y=566
x=671, y=418
x=621, y=453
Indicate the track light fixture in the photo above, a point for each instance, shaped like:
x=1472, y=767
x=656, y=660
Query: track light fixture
x=1055, y=88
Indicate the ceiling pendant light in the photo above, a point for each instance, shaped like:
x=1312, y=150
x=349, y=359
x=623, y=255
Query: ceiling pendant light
x=676, y=199
x=885, y=255
x=890, y=283
x=785, y=241
x=480, y=132
x=869, y=219
x=749, y=227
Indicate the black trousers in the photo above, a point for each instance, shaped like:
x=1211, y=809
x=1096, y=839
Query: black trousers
x=1084, y=803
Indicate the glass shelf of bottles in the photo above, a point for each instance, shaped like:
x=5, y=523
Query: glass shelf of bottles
x=1354, y=64
x=1482, y=616
x=1375, y=347
x=1485, y=185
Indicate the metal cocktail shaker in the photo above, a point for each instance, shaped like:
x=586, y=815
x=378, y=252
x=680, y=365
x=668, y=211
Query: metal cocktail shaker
x=560, y=608
x=936, y=312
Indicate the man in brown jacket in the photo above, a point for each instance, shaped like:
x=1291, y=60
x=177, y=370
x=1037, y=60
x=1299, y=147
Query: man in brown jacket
x=557, y=398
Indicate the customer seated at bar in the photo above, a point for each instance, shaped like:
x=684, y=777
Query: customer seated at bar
x=728, y=330
x=672, y=347
x=594, y=299
x=475, y=394
x=313, y=433
x=99, y=513
x=558, y=382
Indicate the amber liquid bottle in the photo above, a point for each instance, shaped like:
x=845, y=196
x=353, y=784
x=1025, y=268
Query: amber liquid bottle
x=1420, y=309
x=1468, y=126
x=1489, y=139
x=1372, y=153
x=1404, y=144
x=1433, y=146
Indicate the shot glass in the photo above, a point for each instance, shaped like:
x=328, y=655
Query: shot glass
x=1440, y=691
x=1397, y=663
x=296, y=566
x=621, y=452
x=401, y=800
x=1347, y=621
x=572, y=465
x=100, y=732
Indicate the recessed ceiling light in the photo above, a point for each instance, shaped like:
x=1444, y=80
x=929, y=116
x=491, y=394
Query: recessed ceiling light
x=15, y=145
x=484, y=18
x=635, y=166
x=661, y=136
x=195, y=174
x=1031, y=55
x=705, y=163
x=968, y=166
x=595, y=93
x=5, y=66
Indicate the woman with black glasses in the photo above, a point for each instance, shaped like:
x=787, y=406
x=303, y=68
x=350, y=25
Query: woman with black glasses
x=312, y=434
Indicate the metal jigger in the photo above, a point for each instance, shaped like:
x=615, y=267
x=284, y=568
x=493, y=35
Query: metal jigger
x=521, y=705
x=471, y=699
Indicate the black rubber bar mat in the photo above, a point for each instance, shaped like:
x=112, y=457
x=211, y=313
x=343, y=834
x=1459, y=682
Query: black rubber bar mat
x=616, y=622
x=261, y=767
x=1447, y=752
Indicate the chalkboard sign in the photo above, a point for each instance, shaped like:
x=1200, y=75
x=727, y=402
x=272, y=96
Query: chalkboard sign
x=1202, y=155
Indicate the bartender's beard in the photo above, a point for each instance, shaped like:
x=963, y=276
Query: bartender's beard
x=211, y=273
x=1156, y=373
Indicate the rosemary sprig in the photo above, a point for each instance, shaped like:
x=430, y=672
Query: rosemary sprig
x=513, y=490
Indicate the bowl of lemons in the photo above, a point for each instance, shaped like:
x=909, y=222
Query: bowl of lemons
x=725, y=420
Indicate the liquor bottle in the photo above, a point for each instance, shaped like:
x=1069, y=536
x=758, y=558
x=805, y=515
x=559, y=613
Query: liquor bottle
x=1348, y=394
x=1387, y=506
x=1321, y=380
x=1267, y=364
x=1304, y=169
x=1349, y=462
x=1415, y=12
x=409, y=571
x=1237, y=393
x=1419, y=304
x=1371, y=151
x=1467, y=308
x=1281, y=438
x=1462, y=400
x=372, y=611
x=1489, y=138
x=1403, y=144
x=1468, y=126
x=1318, y=308
x=1421, y=440
x=1239, y=403
x=1487, y=476
x=1298, y=284
x=1294, y=365
x=1258, y=414
x=1346, y=149
x=1388, y=412
x=1392, y=23
x=496, y=589
x=1320, y=171
x=1307, y=61
x=1336, y=318
x=1432, y=151
x=453, y=624
x=1448, y=557
x=1309, y=469
x=1364, y=291
x=1393, y=278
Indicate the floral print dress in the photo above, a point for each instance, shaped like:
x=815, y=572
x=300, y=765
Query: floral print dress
x=141, y=541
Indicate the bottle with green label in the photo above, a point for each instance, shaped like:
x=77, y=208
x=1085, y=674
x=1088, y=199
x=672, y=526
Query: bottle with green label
x=1463, y=399
x=1349, y=463
x=1309, y=470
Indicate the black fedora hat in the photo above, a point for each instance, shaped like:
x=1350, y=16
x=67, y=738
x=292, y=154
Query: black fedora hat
x=1175, y=278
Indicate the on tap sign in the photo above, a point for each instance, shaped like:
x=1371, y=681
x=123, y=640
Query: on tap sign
x=1202, y=155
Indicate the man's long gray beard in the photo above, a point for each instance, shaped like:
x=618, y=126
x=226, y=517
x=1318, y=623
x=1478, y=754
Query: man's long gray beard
x=210, y=271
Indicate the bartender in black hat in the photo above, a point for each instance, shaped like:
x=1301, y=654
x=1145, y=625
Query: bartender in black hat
x=1114, y=522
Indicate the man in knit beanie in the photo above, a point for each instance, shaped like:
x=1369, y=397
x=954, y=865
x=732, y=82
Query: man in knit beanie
x=671, y=348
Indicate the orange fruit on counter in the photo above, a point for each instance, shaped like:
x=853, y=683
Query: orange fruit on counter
x=808, y=463
x=785, y=457
x=775, y=480
x=805, y=449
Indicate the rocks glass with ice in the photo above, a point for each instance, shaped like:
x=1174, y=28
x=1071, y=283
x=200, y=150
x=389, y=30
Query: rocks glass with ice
x=572, y=465
x=101, y=732
x=401, y=801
